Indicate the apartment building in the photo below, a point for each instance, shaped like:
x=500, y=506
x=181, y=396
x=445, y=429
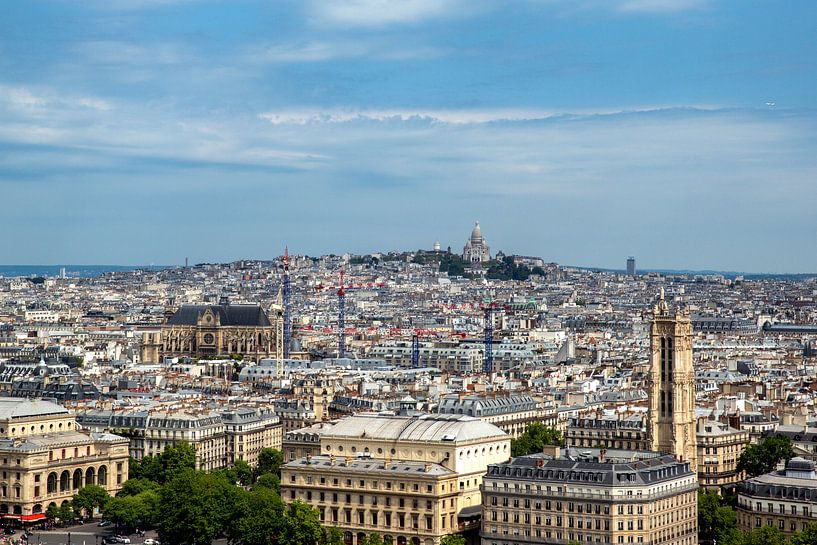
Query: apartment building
x=590, y=496
x=248, y=431
x=434, y=465
x=786, y=499
x=719, y=447
x=219, y=438
x=608, y=431
x=45, y=459
x=510, y=413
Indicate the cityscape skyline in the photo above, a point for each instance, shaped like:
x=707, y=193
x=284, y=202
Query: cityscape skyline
x=143, y=131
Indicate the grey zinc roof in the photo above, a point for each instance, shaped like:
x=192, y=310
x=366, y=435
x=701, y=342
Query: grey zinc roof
x=229, y=315
x=538, y=467
x=22, y=408
x=432, y=428
x=370, y=465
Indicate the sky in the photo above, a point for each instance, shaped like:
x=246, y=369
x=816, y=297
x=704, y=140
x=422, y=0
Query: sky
x=682, y=132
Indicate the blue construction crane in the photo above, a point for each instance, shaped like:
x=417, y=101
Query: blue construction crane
x=415, y=351
x=488, y=358
x=341, y=319
x=287, y=295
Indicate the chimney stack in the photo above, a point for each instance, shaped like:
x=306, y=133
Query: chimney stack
x=554, y=451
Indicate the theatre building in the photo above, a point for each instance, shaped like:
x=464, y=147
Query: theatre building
x=45, y=459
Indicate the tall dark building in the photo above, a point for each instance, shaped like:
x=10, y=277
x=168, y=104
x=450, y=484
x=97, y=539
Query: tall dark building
x=631, y=266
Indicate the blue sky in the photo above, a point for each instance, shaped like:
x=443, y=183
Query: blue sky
x=583, y=131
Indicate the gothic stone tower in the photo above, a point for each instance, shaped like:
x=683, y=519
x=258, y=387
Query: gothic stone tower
x=672, y=384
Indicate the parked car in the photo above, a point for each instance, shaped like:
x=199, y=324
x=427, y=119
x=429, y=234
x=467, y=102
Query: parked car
x=151, y=541
x=10, y=531
x=110, y=540
x=123, y=539
x=104, y=523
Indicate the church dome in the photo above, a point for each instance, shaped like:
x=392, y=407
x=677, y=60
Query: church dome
x=476, y=235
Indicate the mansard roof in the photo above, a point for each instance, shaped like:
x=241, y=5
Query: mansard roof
x=229, y=315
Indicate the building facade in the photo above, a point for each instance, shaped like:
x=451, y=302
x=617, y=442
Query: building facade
x=218, y=438
x=672, y=425
x=786, y=499
x=210, y=331
x=719, y=447
x=476, y=250
x=46, y=459
x=412, y=478
x=612, y=432
x=590, y=496
x=510, y=413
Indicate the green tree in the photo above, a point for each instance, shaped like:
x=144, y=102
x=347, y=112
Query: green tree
x=806, y=537
x=374, y=538
x=134, y=487
x=243, y=472
x=767, y=535
x=195, y=508
x=268, y=480
x=453, y=539
x=332, y=535
x=534, y=439
x=53, y=511
x=270, y=460
x=65, y=512
x=301, y=525
x=125, y=510
x=177, y=459
x=90, y=497
x=261, y=520
x=715, y=520
x=759, y=459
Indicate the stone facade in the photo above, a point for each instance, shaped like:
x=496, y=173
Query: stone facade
x=672, y=384
x=590, y=496
x=786, y=499
x=45, y=459
x=414, y=479
x=476, y=250
x=211, y=331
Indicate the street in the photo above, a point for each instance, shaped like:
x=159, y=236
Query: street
x=84, y=534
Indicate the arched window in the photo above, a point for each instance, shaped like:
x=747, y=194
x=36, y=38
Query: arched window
x=90, y=476
x=51, y=486
x=102, y=477
x=77, y=479
x=65, y=481
x=38, y=508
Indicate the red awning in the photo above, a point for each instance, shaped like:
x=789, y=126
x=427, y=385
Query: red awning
x=32, y=518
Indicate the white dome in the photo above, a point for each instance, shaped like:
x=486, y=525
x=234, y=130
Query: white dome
x=476, y=235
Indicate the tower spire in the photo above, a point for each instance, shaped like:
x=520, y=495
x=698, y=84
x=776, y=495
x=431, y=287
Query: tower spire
x=287, y=302
x=672, y=385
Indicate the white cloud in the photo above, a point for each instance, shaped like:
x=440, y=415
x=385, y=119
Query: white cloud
x=660, y=6
x=373, y=13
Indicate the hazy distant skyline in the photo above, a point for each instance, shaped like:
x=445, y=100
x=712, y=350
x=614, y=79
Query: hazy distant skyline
x=683, y=132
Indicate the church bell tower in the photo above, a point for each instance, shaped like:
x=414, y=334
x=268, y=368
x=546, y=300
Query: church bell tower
x=672, y=384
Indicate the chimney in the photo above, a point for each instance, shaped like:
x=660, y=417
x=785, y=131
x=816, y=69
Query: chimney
x=554, y=451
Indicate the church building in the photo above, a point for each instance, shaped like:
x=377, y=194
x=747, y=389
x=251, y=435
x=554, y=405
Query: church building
x=476, y=250
x=214, y=331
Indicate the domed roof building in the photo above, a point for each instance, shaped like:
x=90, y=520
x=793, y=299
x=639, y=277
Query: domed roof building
x=476, y=250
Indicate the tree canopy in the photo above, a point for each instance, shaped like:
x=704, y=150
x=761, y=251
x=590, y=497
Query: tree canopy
x=762, y=458
x=534, y=439
x=170, y=463
x=91, y=497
